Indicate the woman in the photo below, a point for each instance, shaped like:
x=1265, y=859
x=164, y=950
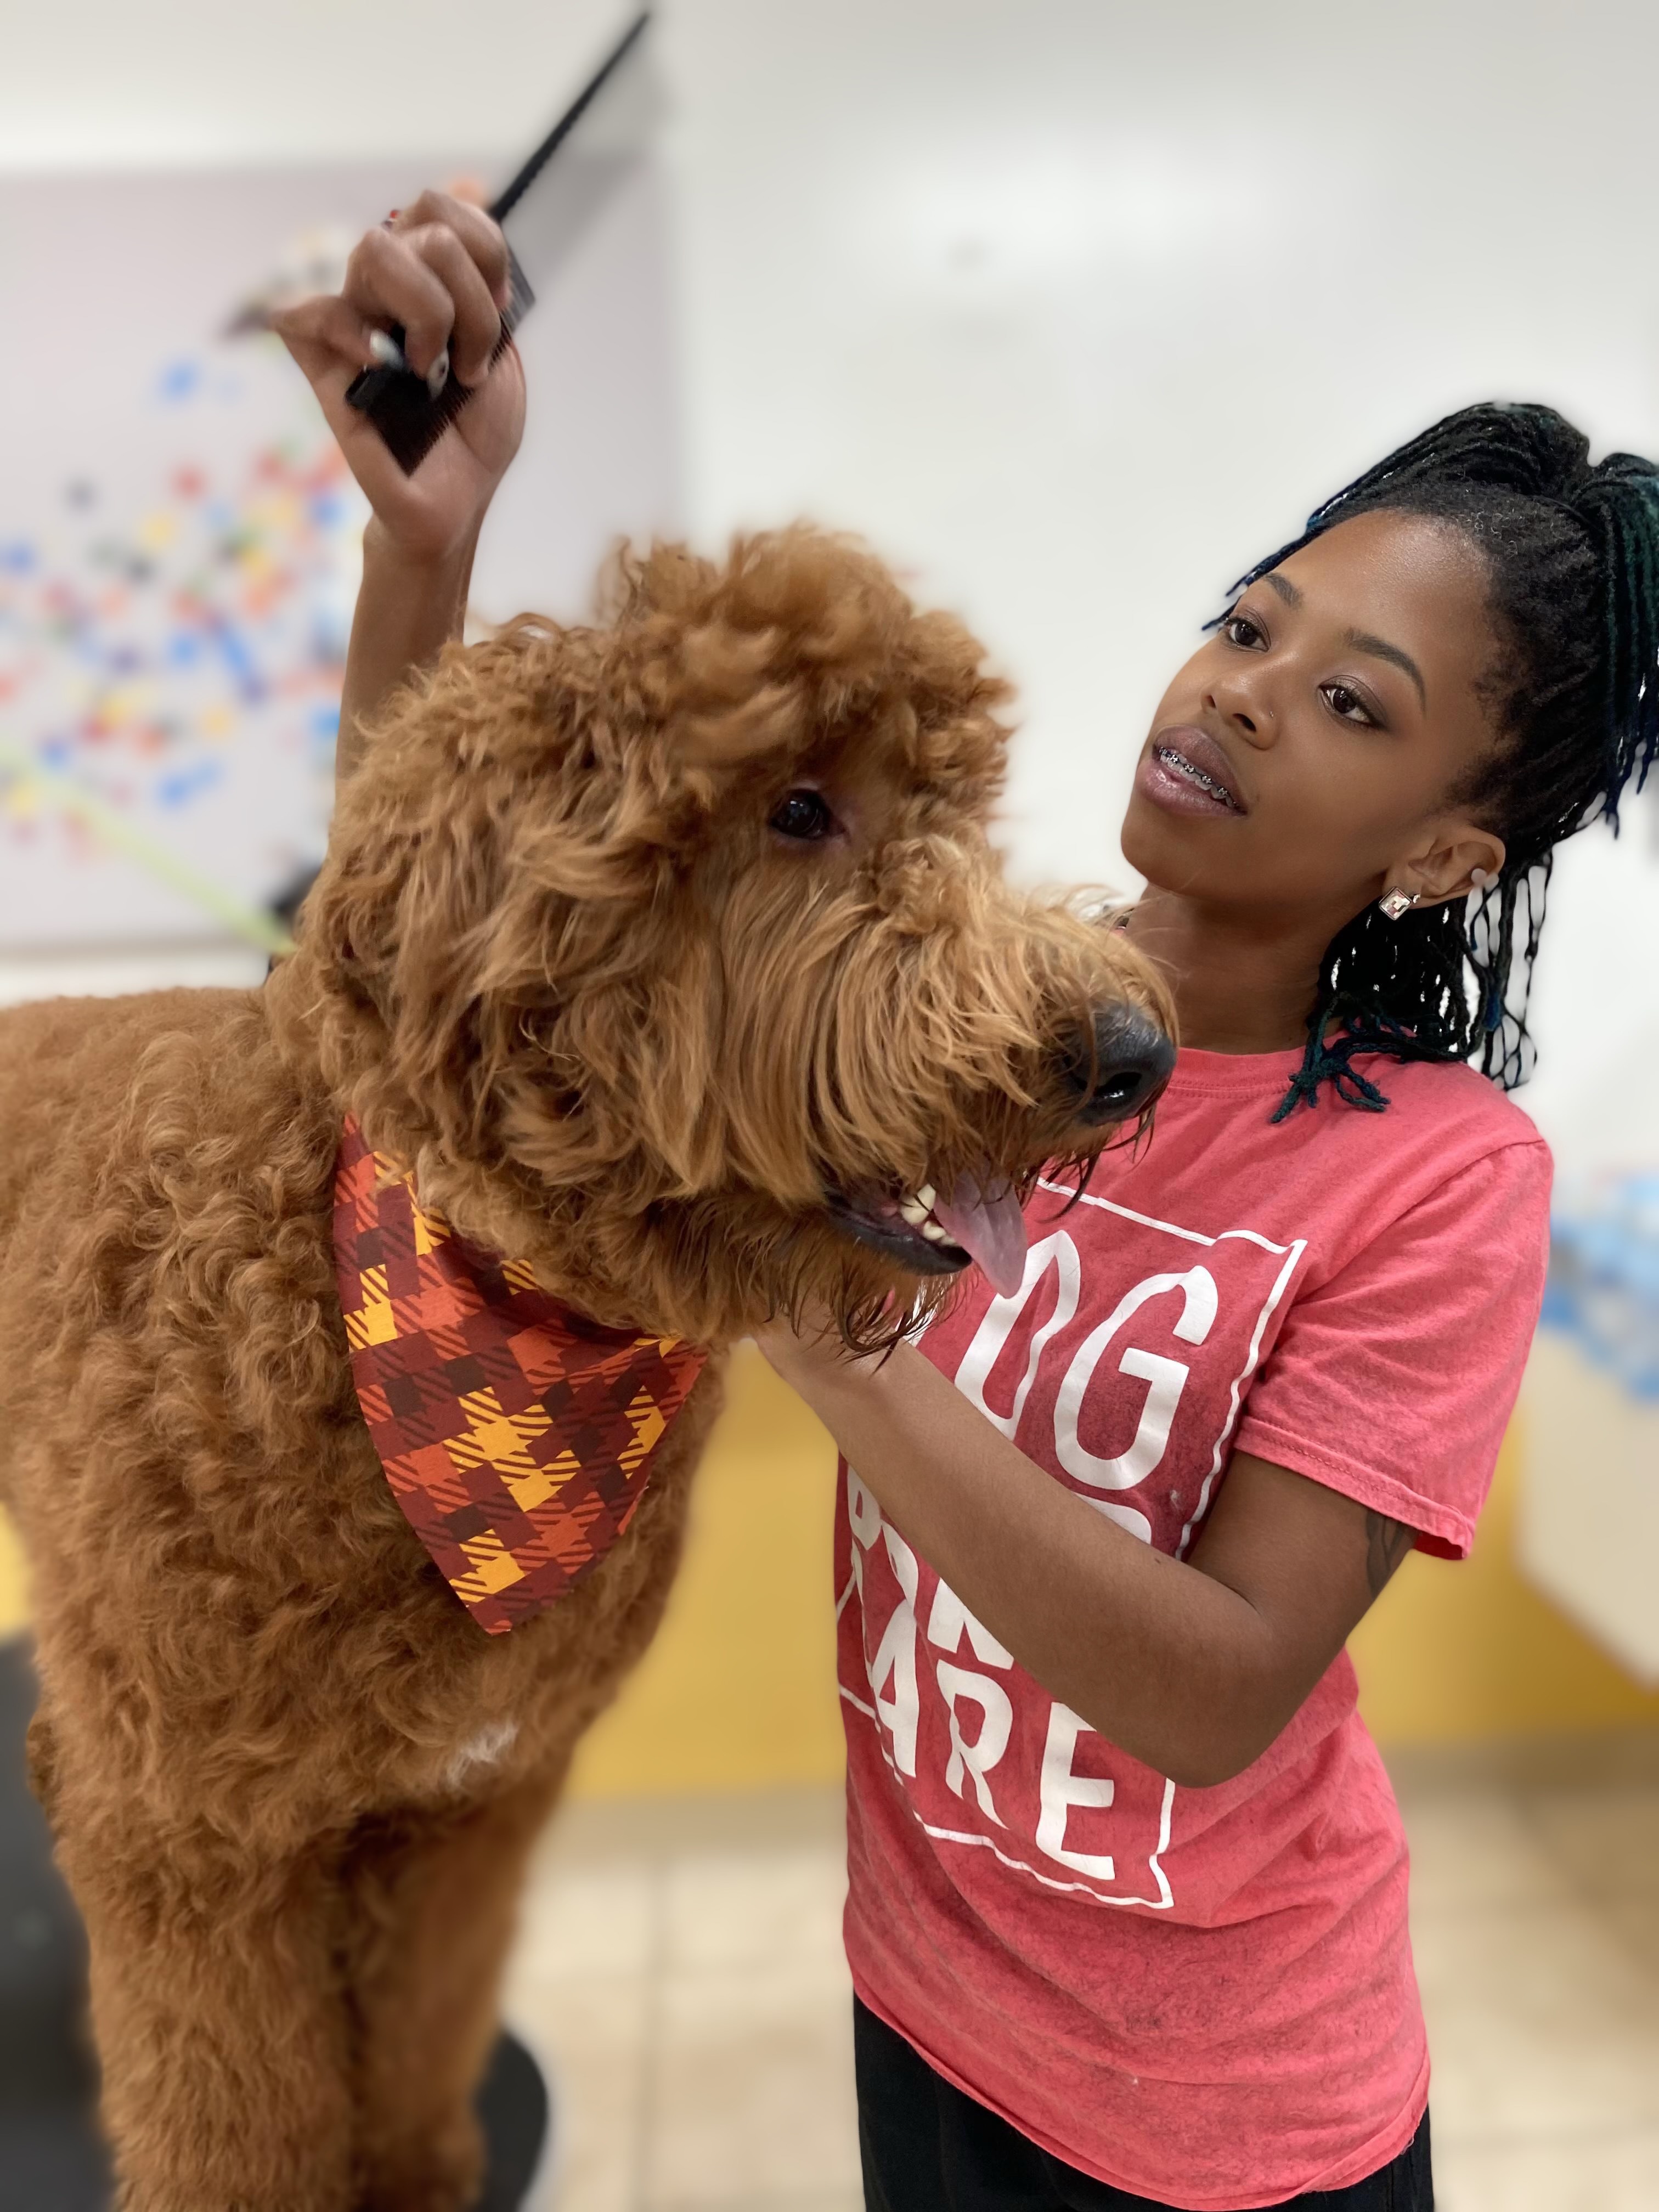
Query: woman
x=1127, y=1908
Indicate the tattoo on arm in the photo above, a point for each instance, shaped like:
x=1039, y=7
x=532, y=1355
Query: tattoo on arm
x=1387, y=1543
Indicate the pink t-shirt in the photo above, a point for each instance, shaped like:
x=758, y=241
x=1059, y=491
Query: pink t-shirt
x=1204, y=1997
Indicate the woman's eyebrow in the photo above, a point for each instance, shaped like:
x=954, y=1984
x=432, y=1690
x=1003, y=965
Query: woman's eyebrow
x=1360, y=639
x=1380, y=649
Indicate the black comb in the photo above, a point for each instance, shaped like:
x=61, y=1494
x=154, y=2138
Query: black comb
x=397, y=400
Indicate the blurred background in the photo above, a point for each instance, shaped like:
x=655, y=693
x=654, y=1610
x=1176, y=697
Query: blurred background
x=1073, y=308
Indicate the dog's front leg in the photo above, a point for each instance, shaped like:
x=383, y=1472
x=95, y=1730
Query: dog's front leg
x=220, y=2023
x=432, y=1899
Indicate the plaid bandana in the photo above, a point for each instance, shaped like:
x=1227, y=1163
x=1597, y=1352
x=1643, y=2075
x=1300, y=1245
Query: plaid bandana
x=518, y=1439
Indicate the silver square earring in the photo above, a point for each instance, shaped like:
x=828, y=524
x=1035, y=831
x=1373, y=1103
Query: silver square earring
x=1396, y=902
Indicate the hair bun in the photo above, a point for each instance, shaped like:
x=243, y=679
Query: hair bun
x=1528, y=449
x=1500, y=445
x=1619, y=480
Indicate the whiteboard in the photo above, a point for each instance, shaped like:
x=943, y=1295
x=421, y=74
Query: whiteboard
x=179, y=544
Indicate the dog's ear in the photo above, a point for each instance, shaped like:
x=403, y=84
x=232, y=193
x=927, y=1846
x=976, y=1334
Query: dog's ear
x=513, y=826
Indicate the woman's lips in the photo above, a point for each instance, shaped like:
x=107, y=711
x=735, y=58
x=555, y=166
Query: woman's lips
x=1186, y=772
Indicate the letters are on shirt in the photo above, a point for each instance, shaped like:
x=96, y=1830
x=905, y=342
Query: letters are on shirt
x=1121, y=1363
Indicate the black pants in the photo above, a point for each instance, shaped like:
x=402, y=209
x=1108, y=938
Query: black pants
x=928, y=2147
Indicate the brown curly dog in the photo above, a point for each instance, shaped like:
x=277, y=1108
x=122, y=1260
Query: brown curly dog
x=673, y=958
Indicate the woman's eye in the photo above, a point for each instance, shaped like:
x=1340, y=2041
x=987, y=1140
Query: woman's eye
x=803, y=814
x=1239, y=629
x=1348, y=706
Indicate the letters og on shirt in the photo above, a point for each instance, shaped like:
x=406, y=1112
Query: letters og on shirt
x=1131, y=1402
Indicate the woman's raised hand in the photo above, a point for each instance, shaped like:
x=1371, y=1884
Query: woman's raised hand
x=439, y=269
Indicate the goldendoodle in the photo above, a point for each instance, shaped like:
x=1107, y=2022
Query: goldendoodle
x=669, y=963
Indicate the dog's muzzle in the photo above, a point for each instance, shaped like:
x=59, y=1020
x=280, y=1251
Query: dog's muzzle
x=1108, y=1075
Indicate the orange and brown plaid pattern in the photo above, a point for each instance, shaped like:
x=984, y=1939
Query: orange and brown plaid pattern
x=517, y=1439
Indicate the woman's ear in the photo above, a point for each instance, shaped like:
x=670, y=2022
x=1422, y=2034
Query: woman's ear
x=1463, y=859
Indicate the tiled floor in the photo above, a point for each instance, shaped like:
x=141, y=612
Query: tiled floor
x=680, y=1971
x=1535, y=1923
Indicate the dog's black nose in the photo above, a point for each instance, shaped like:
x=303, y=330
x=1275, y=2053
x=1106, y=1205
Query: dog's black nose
x=1123, y=1070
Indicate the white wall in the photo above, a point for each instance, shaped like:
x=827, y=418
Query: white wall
x=1078, y=306
x=120, y=84
x=1073, y=305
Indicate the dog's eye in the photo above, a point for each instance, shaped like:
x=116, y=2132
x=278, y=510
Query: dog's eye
x=803, y=814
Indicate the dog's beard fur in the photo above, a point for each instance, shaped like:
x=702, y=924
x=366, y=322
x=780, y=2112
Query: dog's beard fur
x=559, y=963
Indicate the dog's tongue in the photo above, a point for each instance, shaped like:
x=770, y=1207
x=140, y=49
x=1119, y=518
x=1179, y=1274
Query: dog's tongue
x=991, y=1228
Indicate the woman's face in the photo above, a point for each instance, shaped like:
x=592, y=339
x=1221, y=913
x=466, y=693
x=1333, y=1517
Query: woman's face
x=1303, y=760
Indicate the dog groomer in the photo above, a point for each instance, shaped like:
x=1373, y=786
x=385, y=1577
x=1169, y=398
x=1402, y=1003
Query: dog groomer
x=1127, y=1916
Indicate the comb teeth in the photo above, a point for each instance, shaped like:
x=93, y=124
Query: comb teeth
x=410, y=420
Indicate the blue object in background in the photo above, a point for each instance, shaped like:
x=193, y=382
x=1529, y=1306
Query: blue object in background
x=1603, y=1286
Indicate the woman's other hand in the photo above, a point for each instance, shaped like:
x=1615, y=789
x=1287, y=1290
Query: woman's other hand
x=438, y=268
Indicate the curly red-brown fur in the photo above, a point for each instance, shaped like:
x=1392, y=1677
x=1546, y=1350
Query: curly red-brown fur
x=559, y=962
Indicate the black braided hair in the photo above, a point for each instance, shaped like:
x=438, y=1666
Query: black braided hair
x=1572, y=559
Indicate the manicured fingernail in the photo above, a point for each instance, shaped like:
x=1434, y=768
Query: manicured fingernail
x=384, y=350
x=438, y=375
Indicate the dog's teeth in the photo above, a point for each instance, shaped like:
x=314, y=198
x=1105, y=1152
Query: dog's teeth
x=933, y=1233
x=915, y=1210
x=926, y=1198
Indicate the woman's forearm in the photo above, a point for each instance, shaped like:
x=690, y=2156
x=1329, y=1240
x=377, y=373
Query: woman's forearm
x=1155, y=1655
x=408, y=607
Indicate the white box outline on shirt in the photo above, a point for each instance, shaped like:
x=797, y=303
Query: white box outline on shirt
x=1292, y=1254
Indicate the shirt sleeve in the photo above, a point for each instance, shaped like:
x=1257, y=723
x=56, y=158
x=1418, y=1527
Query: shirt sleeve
x=1394, y=1381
